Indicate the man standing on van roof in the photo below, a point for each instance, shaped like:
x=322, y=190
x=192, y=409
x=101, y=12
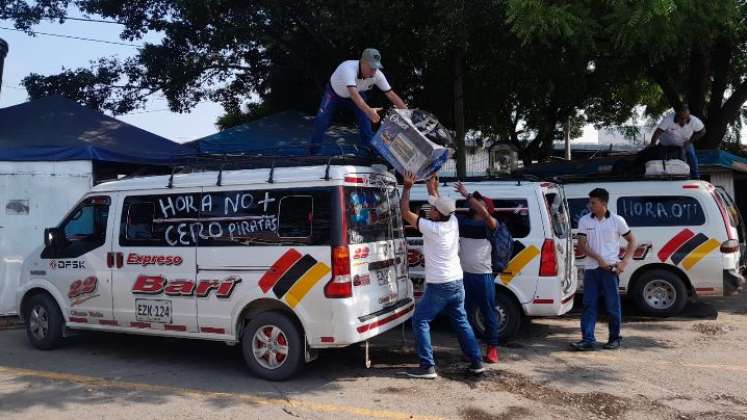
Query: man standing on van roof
x=444, y=290
x=599, y=235
x=347, y=89
x=681, y=129
x=475, y=254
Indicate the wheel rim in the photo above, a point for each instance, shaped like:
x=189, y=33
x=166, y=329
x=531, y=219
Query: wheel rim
x=501, y=321
x=270, y=347
x=39, y=322
x=659, y=294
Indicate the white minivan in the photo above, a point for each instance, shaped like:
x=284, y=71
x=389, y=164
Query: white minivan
x=540, y=279
x=690, y=240
x=283, y=260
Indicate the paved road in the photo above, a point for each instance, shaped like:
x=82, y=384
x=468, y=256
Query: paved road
x=690, y=367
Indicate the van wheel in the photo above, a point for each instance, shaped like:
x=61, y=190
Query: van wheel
x=273, y=346
x=509, y=318
x=660, y=293
x=43, y=322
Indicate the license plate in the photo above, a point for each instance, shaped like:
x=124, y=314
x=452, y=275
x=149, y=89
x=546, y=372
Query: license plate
x=153, y=310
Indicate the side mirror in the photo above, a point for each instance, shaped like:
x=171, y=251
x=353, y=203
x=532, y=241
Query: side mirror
x=53, y=236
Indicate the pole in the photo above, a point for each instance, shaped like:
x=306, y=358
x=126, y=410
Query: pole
x=567, y=138
x=461, y=159
x=3, y=53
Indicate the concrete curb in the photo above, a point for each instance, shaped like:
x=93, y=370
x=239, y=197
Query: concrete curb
x=10, y=322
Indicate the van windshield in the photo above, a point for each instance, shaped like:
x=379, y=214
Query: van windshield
x=372, y=214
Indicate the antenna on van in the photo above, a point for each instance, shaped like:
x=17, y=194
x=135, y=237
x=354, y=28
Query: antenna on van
x=272, y=173
x=326, y=171
x=171, y=178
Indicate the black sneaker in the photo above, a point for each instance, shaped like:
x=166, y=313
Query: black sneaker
x=476, y=368
x=422, y=372
x=612, y=345
x=582, y=346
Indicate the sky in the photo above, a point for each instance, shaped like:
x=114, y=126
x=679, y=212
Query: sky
x=49, y=55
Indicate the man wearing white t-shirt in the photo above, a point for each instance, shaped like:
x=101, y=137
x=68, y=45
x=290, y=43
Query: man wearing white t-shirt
x=681, y=129
x=444, y=289
x=347, y=88
x=599, y=234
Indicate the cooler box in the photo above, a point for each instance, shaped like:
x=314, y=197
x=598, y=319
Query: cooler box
x=405, y=147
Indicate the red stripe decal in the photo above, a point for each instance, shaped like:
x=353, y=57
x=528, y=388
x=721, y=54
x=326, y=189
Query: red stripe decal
x=213, y=330
x=674, y=244
x=172, y=327
x=328, y=339
x=390, y=318
x=564, y=301
x=543, y=301
x=704, y=289
x=140, y=324
x=109, y=322
x=77, y=319
x=277, y=270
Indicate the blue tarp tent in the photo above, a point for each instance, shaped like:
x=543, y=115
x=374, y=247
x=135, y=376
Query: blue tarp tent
x=58, y=129
x=286, y=133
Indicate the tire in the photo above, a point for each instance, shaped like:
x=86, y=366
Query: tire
x=285, y=356
x=660, y=293
x=44, y=322
x=509, y=318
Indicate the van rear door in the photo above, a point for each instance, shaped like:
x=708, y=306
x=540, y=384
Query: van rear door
x=376, y=245
x=557, y=207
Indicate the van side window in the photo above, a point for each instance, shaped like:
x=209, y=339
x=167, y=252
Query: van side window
x=84, y=228
x=578, y=207
x=295, y=216
x=642, y=211
x=143, y=222
x=512, y=212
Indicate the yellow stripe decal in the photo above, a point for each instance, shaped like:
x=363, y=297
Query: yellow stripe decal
x=699, y=253
x=305, y=283
x=518, y=262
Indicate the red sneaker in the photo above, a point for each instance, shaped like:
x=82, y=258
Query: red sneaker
x=491, y=356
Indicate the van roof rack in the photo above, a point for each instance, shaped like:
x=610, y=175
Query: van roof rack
x=577, y=179
x=507, y=177
x=270, y=159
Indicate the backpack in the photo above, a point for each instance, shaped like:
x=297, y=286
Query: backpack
x=502, y=247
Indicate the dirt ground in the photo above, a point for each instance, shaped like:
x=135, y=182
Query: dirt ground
x=690, y=367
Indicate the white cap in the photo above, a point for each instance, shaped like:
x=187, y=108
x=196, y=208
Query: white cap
x=444, y=205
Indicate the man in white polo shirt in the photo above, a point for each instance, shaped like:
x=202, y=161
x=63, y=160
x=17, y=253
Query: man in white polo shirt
x=681, y=129
x=444, y=289
x=347, y=88
x=599, y=235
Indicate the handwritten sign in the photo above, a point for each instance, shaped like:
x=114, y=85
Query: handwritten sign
x=661, y=211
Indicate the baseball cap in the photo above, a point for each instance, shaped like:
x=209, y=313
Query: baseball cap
x=444, y=205
x=372, y=57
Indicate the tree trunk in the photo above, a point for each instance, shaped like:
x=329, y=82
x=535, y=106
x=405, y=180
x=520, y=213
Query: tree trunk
x=461, y=159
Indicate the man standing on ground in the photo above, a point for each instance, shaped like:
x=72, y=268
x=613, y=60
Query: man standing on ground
x=475, y=254
x=347, y=89
x=444, y=289
x=681, y=129
x=599, y=235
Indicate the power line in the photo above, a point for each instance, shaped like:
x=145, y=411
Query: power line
x=80, y=19
x=78, y=38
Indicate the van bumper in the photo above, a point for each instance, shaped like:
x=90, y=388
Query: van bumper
x=734, y=282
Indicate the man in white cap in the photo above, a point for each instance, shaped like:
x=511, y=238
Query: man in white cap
x=444, y=290
x=347, y=88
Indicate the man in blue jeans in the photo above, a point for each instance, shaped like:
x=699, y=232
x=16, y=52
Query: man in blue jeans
x=347, y=88
x=599, y=235
x=681, y=129
x=444, y=289
x=475, y=254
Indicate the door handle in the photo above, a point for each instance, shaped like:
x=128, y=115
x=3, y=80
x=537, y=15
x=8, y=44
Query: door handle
x=120, y=260
x=109, y=259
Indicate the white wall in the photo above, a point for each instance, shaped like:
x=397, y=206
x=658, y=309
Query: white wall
x=33, y=196
x=723, y=179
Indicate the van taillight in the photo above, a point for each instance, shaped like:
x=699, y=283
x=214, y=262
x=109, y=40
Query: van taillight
x=727, y=224
x=548, y=259
x=341, y=285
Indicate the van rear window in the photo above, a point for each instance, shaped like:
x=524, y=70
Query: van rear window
x=578, y=207
x=372, y=214
x=643, y=211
